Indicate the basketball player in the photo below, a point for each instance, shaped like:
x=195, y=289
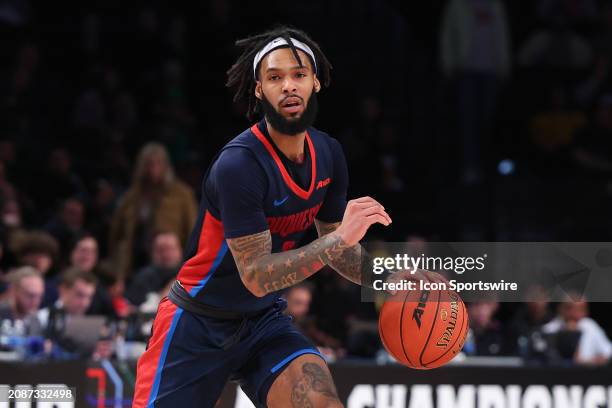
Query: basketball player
x=223, y=317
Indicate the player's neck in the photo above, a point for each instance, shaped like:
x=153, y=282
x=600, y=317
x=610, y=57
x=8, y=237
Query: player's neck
x=292, y=146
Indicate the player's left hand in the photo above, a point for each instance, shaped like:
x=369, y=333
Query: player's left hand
x=416, y=276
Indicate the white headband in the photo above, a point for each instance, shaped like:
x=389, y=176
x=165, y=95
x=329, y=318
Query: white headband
x=277, y=43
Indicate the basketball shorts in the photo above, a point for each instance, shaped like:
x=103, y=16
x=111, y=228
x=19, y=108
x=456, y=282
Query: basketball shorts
x=191, y=357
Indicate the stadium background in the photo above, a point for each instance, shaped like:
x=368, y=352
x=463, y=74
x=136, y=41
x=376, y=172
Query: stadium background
x=509, y=141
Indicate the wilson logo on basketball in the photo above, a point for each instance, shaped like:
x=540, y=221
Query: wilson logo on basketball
x=418, y=311
x=323, y=183
x=445, y=339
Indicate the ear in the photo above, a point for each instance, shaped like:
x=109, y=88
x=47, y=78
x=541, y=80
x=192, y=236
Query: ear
x=258, y=92
x=317, y=84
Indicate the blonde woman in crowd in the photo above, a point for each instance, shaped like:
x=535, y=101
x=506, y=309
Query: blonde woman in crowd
x=155, y=201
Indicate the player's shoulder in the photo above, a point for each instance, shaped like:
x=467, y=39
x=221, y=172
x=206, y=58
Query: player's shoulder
x=237, y=156
x=246, y=139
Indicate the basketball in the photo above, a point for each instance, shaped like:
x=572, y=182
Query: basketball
x=423, y=329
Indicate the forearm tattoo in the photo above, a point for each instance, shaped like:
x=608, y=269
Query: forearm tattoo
x=264, y=272
x=347, y=260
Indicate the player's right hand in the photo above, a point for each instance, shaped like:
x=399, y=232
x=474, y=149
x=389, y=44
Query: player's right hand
x=359, y=215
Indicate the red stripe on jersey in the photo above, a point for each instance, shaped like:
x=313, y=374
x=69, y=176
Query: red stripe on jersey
x=288, y=180
x=198, y=266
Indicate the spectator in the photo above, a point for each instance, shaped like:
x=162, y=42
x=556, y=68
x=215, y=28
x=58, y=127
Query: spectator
x=475, y=51
x=166, y=257
x=39, y=250
x=76, y=292
x=84, y=253
x=525, y=326
x=575, y=336
x=155, y=201
x=486, y=336
x=298, y=299
x=25, y=294
x=113, y=288
x=84, y=257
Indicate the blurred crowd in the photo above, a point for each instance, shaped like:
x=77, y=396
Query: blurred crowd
x=497, y=114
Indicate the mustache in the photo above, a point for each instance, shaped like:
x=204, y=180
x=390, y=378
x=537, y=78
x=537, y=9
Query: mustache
x=291, y=96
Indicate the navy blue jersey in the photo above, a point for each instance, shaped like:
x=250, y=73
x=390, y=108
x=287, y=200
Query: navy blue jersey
x=248, y=190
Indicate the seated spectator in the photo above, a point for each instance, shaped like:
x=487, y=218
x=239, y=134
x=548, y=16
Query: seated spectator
x=156, y=201
x=76, y=292
x=36, y=249
x=84, y=252
x=298, y=299
x=18, y=312
x=114, y=289
x=84, y=256
x=526, y=325
x=575, y=337
x=486, y=336
x=166, y=256
x=39, y=250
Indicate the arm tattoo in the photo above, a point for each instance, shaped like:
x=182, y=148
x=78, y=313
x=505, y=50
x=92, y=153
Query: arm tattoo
x=347, y=260
x=314, y=380
x=263, y=272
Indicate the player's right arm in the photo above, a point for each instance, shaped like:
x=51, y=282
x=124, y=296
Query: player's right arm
x=263, y=272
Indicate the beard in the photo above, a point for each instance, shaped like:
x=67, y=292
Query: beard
x=292, y=126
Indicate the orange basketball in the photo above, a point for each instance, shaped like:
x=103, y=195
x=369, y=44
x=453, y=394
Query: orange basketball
x=423, y=329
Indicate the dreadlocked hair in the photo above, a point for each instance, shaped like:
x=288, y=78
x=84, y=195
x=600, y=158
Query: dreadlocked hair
x=240, y=75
